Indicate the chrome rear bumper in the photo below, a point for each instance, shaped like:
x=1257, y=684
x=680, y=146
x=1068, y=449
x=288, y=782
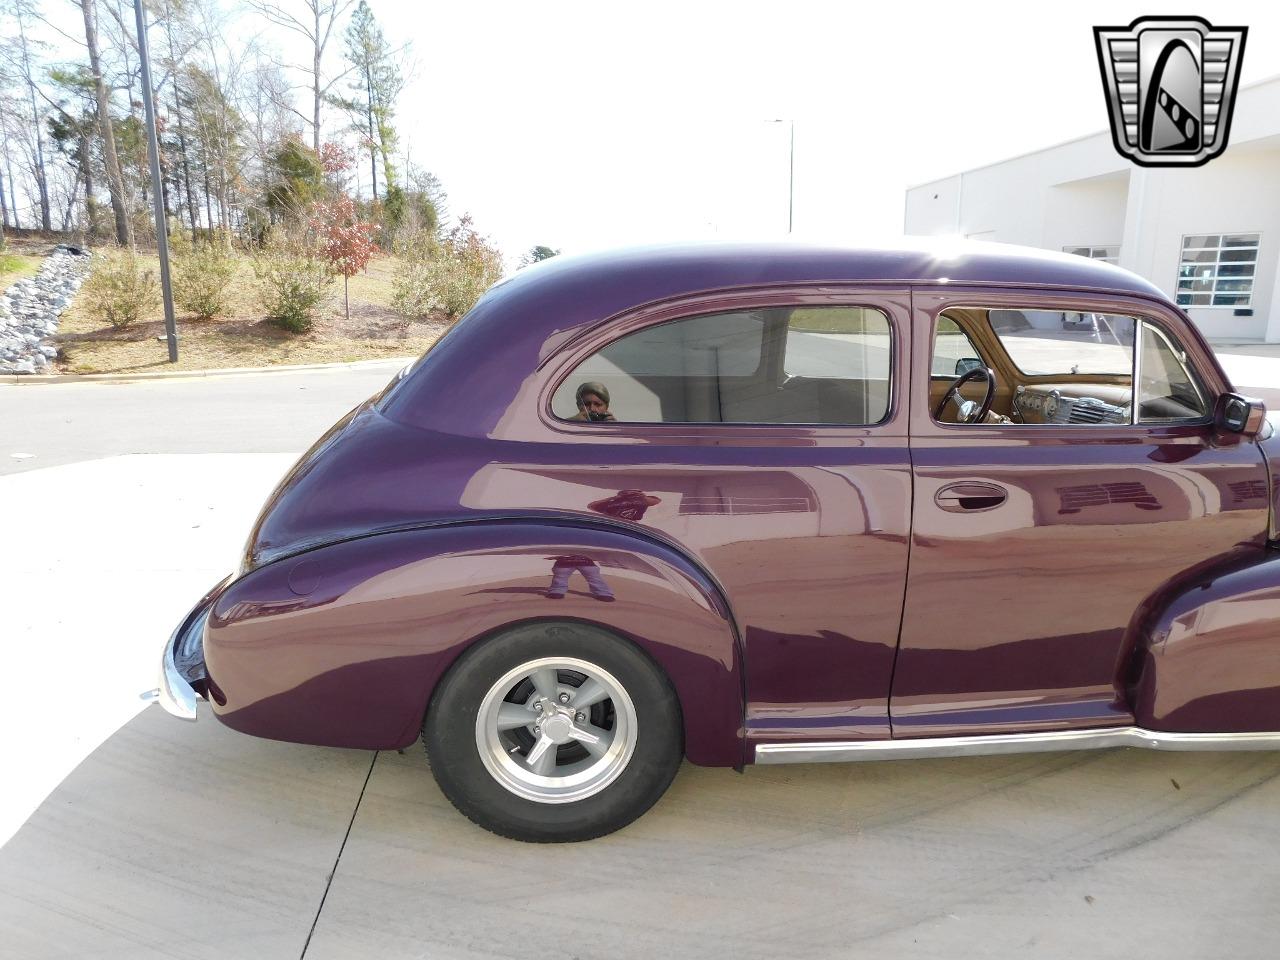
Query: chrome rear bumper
x=177, y=695
x=182, y=664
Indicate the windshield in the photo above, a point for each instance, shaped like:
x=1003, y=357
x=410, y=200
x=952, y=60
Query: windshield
x=1052, y=342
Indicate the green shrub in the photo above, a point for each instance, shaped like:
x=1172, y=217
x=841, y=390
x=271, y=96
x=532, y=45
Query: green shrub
x=449, y=275
x=201, y=276
x=118, y=290
x=293, y=280
x=412, y=292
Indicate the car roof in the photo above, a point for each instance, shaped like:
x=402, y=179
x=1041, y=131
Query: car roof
x=526, y=318
x=695, y=267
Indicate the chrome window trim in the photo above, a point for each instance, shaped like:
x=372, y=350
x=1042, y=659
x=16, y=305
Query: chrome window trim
x=1135, y=381
x=987, y=745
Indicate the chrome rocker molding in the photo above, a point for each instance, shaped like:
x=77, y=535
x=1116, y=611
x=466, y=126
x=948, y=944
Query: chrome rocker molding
x=841, y=752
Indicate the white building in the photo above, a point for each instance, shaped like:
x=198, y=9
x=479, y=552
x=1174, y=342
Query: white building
x=1208, y=235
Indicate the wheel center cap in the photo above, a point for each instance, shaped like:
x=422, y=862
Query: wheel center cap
x=557, y=728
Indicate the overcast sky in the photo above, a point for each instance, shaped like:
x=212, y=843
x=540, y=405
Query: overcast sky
x=582, y=125
x=588, y=124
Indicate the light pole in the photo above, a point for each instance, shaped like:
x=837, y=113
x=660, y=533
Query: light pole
x=791, y=176
x=157, y=194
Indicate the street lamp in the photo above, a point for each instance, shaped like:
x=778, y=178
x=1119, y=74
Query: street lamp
x=791, y=177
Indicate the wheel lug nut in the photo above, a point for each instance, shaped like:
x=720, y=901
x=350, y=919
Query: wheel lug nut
x=564, y=698
x=581, y=717
x=538, y=706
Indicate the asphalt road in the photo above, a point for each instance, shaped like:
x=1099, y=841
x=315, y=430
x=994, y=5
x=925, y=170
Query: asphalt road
x=135, y=835
x=59, y=423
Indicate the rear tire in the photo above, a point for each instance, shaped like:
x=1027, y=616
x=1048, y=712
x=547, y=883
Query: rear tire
x=554, y=732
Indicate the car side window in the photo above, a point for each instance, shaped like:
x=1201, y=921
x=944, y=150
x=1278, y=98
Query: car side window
x=1167, y=391
x=779, y=365
x=1064, y=367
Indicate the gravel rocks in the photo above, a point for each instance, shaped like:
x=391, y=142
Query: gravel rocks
x=30, y=308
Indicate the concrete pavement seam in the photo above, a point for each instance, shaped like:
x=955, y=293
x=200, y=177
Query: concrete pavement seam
x=336, y=860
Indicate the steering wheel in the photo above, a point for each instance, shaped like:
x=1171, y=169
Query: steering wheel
x=967, y=411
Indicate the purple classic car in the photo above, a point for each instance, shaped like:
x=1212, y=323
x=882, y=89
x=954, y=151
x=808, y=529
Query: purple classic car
x=764, y=504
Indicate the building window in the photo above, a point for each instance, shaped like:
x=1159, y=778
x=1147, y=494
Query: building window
x=1109, y=254
x=1217, y=270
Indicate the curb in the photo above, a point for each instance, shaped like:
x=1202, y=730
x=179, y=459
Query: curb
x=33, y=379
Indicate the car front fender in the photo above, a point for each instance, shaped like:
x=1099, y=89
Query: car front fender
x=344, y=644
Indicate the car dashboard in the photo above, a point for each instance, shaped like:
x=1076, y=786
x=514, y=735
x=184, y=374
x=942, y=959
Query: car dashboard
x=1082, y=403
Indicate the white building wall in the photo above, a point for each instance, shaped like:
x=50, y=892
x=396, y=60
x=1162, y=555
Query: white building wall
x=1086, y=212
x=1237, y=193
x=1084, y=193
x=1009, y=201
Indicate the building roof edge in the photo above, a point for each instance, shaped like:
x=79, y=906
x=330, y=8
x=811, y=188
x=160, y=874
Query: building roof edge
x=1063, y=143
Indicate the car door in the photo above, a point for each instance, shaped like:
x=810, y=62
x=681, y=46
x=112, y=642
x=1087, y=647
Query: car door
x=1034, y=545
x=774, y=464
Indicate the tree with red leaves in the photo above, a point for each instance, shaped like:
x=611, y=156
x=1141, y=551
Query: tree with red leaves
x=346, y=241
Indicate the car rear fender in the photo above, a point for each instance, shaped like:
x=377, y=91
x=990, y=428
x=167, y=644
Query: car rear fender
x=1208, y=658
x=343, y=645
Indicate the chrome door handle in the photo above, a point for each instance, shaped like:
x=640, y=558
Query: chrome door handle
x=970, y=496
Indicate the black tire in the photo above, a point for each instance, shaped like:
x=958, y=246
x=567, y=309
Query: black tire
x=449, y=733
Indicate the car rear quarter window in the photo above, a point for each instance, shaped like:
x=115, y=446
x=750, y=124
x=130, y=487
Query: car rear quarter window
x=777, y=365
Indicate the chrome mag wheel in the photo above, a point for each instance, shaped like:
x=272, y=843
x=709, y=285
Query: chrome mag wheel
x=556, y=729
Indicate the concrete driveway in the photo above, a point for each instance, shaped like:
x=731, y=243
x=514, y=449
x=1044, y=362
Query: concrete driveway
x=132, y=834
x=177, y=839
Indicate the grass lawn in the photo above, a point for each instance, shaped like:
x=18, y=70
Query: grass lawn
x=244, y=338
x=15, y=266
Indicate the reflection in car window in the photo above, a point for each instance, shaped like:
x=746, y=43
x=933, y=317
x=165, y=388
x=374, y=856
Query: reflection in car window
x=1167, y=390
x=802, y=365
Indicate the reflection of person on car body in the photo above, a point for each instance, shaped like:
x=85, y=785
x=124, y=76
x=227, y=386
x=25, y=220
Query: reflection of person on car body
x=593, y=402
x=562, y=569
x=625, y=504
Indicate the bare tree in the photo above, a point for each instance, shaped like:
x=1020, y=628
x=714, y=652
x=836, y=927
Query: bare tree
x=13, y=193
x=73, y=126
x=270, y=120
x=172, y=12
x=18, y=56
x=118, y=47
x=14, y=126
x=115, y=184
x=315, y=25
x=8, y=127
